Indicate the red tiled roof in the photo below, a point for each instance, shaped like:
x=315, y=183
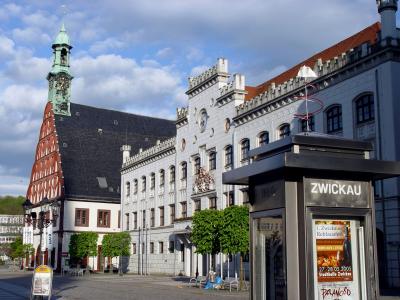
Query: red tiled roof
x=368, y=34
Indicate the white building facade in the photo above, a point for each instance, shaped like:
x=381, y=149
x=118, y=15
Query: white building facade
x=355, y=95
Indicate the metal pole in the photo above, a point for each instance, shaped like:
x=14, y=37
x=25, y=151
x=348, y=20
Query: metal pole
x=41, y=221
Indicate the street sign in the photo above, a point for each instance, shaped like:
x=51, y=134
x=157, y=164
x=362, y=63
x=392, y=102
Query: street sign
x=64, y=254
x=42, y=281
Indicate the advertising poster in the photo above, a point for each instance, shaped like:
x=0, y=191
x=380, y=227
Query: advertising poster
x=42, y=281
x=334, y=260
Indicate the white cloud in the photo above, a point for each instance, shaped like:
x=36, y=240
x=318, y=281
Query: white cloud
x=122, y=83
x=166, y=52
x=194, y=54
x=31, y=35
x=6, y=46
x=198, y=70
x=106, y=45
x=25, y=68
x=13, y=185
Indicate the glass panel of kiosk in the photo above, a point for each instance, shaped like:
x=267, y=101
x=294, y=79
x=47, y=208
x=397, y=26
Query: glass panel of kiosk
x=269, y=273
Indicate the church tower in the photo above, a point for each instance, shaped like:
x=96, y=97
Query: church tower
x=59, y=77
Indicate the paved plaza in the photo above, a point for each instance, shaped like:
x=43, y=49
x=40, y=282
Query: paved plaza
x=16, y=285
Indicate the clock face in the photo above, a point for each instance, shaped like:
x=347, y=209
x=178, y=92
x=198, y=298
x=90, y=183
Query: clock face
x=203, y=120
x=62, y=84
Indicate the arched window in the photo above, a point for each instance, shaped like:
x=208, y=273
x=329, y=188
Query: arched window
x=284, y=130
x=212, y=160
x=162, y=177
x=263, y=138
x=152, y=181
x=334, y=119
x=228, y=156
x=183, y=170
x=365, y=111
x=128, y=188
x=63, y=58
x=172, y=174
x=143, y=183
x=244, y=149
x=135, y=186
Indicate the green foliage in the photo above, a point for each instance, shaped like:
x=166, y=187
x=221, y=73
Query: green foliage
x=10, y=205
x=73, y=246
x=17, y=249
x=206, y=231
x=28, y=249
x=83, y=244
x=116, y=244
x=234, y=234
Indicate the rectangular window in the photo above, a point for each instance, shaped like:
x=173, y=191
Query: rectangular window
x=143, y=245
x=151, y=247
x=119, y=219
x=245, y=196
x=196, y=165
x=311, y=124
x=135, y=220
x=228, y=156
x=82, y=217
x=212, y=160
x=144, y=219
x=230, y=198
x=162, y=216
x=182, y=252
x=197, y=205
x=152, y=181
x=213, y=203
x=161, y=247
x=171, y=247
x=184, y=171
x=184, y=209
x=127, y=221
x=172, y=213
x=152, y=217
x=162, y=178
x=134, y=248
x=103, y=218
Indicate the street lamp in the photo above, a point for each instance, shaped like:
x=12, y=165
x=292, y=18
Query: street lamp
x=42, y=222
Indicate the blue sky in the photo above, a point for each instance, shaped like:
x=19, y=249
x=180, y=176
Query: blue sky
x=136, y=56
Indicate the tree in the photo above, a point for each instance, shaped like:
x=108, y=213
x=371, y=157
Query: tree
x=116, y=244
x=234, y=232
x=83, y=245
x=17, y=250
x=206, y=231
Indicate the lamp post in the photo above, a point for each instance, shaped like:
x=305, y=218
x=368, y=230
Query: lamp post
x=42, y=222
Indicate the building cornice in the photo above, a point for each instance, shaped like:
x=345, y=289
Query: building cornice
x=161, y=150
x=330, y=72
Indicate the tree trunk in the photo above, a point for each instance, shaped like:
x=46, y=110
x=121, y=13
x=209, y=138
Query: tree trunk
x=241, y=272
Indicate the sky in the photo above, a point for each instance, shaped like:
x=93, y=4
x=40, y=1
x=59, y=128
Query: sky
x=136, y=56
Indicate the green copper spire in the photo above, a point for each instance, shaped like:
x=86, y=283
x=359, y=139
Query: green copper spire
x=60, y=77
x=62, y=37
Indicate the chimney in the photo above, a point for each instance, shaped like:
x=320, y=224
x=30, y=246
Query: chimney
x=387, y=9
x=126, y=152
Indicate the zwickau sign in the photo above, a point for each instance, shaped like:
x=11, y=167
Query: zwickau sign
x=42, y=281
x=336, y=193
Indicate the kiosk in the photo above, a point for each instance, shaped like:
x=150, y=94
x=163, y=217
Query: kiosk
x=312, y=218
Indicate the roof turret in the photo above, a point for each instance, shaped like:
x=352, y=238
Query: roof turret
x=62, y=38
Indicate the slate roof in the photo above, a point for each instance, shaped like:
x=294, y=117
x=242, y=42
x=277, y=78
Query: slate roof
x=90, y=141
x=367, y=35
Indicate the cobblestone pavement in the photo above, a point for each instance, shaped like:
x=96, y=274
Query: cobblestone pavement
x=16, y=285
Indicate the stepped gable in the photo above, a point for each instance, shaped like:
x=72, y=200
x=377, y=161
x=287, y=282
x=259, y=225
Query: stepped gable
x=367, y=35
x=90, y=141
